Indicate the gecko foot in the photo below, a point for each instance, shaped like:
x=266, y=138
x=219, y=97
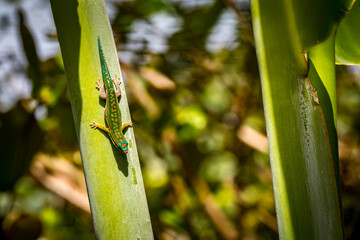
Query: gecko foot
x=93, y=125
x=117, y=86
x=99, y=84
x=100, y=87
x=117, y=80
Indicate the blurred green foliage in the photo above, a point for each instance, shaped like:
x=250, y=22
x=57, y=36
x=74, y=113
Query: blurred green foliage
x=203, y=179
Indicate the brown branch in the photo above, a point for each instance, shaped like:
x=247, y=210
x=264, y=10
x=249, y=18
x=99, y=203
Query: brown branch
x=61, y=178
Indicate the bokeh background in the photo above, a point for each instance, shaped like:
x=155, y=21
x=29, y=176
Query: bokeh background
x=194, y=93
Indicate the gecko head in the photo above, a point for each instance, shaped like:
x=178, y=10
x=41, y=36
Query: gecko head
x=124, y=146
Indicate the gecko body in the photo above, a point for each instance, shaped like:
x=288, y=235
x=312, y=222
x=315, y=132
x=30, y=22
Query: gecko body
x=114, y=127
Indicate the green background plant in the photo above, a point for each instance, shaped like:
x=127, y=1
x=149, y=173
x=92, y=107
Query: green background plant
x=296, y=56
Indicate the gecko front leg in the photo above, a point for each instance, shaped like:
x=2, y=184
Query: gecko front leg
x=126, y=125
x=100, y=86
x=95, y=125
x=117, y=86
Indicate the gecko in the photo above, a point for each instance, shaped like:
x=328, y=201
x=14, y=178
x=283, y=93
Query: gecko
x=107, y=91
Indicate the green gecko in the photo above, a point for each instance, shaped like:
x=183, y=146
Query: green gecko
x=112, y=110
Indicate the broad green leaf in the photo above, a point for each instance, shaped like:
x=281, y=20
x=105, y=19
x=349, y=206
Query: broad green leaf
x=322, y=78
x=114, y=181
x=301, y=150
x=312, y=21
x=348, y=38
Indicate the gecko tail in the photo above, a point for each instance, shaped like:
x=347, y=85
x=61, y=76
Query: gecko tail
x=102, y=58
x=105, y=71
x=99, y=46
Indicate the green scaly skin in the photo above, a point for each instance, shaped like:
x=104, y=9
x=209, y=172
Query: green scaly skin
x=112, y=111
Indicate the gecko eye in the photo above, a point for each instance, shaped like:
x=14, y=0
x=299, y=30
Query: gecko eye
x=124, y=146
